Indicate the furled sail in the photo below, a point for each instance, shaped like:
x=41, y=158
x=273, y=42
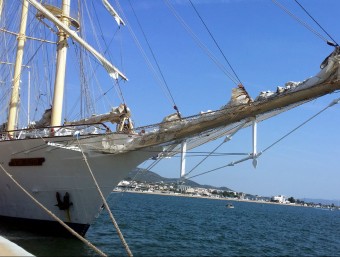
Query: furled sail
x=112, y=11
x=241, y=109
x=112, y=70
x=116, y=115
x=44, y=121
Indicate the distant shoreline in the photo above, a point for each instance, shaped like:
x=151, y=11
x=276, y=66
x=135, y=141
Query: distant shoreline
x=207, y=197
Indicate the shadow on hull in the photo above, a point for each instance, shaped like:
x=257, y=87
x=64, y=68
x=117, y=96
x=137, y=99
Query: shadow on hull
x=42, y=227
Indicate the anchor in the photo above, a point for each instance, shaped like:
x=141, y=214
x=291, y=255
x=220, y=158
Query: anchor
x=65, y=204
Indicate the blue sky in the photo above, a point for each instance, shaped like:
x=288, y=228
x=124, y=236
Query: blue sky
x=266, y=48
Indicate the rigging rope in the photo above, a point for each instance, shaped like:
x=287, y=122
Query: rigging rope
x=225, y=140
x=200, y=43
x=205, y=158
x=116, y=82
x=155, y=59
x=317, y=23
x=92, y=70
x=300, y=21
x=335, y=101
x=51, y=214
x=213, y=38
x=139, y=46
x=105, y=204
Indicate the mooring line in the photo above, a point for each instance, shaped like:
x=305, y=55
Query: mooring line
x=53, y=215
x=106, y=205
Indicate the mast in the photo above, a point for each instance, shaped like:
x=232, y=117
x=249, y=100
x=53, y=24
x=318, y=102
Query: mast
x=14, y=103
x=59, y=83
x=1, y=5
x=112, y=70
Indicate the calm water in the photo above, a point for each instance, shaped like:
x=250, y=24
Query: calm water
x=176, y=226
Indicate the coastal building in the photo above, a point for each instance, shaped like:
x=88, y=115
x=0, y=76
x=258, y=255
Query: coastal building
x=279, y=199
x=183, y=188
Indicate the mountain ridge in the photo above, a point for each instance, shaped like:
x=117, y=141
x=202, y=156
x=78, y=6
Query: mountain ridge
x=147, y=176
x=143, y=175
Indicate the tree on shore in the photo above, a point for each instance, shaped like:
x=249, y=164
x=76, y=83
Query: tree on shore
x=291, y=199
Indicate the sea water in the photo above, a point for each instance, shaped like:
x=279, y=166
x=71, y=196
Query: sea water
x=160, y=225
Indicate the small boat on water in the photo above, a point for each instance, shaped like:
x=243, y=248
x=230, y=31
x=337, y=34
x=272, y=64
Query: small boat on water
x=62, y=154
x=230, y=206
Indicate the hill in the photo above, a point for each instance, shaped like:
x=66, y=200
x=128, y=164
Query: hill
x=143, y=175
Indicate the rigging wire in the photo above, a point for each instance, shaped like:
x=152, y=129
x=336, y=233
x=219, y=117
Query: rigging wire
x=116, y=82
x=213, y=38
x=200, y=43
x=318, y=24
x=92, y=76
x=155, y=59
x=213, y=151
x=139, y=46
x=119, y=91
x=335, y=101
x=300, y=21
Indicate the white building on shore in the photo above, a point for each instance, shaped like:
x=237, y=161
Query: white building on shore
x=280, y=199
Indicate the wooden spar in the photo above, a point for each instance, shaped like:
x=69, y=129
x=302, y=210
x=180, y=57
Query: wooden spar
x=112, y=70
x=186, y=128
x=15, y=98
x=112, y=11
x=59, y=83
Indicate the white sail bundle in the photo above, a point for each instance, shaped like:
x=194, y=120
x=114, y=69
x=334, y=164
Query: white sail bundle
x=112, y=11
x=115, y=116
x=208, y=124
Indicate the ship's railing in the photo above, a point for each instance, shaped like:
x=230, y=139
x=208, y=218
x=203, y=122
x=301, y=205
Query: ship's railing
x=49, y=131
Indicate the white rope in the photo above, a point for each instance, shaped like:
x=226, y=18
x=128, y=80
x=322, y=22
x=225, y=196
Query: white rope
x=106, y=205
x=53, y=215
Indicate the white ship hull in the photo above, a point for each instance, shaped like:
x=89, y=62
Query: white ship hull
x=54, y=157
x=62, y=170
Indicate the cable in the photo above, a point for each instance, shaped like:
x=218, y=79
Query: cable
x=317, y=23
x=205, y=158
x=225, y=58
x=335, y=101
x=144, y=55
x=154, y=58
x=300, y=21
x=200, y=44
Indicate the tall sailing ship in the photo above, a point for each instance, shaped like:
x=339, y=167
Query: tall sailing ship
x=61, y=162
